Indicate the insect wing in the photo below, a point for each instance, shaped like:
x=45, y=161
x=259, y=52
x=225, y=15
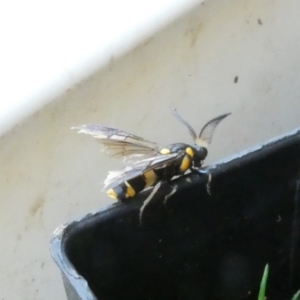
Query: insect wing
x=115, y=178
x=120, y=143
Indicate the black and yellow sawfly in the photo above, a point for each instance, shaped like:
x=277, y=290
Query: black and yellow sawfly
x=148, y=163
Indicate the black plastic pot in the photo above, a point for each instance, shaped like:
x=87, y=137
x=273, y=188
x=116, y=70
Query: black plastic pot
x=196, y=246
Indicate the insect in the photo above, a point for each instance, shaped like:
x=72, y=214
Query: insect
x=148, y=163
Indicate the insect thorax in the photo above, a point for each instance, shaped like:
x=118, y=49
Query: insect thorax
x=192, y=156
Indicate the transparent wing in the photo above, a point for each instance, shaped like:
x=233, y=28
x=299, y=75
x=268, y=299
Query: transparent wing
x=120, y=143
x=114, y=178
x=208, y=129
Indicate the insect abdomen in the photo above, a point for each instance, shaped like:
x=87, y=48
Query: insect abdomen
x=135, y=185
x=131, y=187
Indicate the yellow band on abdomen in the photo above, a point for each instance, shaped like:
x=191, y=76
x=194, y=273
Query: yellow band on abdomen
x=111, y=193
x=130, y=192
x=150, y=178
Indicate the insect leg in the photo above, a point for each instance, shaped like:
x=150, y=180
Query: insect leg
x=147, y=201
x=208, y=185
x=175, y=187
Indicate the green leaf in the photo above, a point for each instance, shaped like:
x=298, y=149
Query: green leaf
x=296, y=296
x=263, y=284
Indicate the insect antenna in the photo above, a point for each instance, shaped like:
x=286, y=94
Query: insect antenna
x=181, y=120
x=206, y=133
